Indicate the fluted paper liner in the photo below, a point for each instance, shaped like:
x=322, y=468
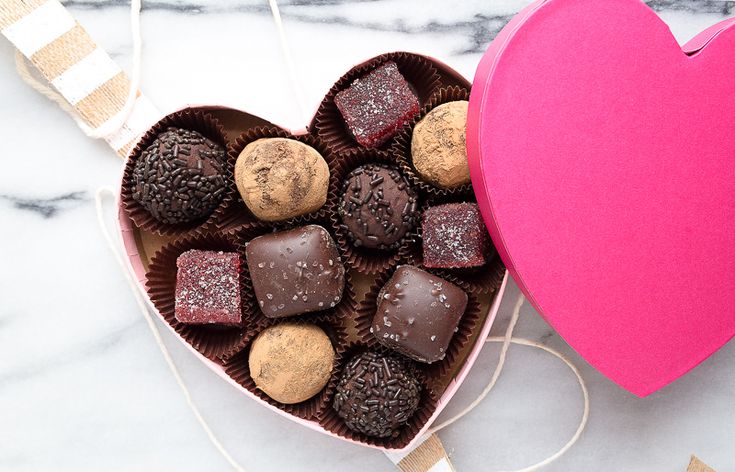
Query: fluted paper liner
x=201, y=122
x=234, y=212
x=364, y=260
x=418, y=72
x=331, y=421
x=237, y=366
x=401, y=148
x=436, y=372
x=211, y=341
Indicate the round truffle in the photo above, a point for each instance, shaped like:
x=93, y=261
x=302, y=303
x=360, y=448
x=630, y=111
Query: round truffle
x=291, y=362
x=438, y=146
x=180, y=177
x=378, y=207
x=376, y=394
x=280, y=178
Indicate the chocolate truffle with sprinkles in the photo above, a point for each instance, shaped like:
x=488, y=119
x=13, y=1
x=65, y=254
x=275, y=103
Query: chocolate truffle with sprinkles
x=180, y=177
x=377, y=207
x=377, y=394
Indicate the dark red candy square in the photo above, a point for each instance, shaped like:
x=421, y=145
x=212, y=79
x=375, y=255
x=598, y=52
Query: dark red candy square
x=208, y=288
x=454, y=237
x=377, y=105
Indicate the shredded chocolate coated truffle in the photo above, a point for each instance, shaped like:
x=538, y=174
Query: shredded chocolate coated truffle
x=376, y=394
x=180, y=177
x=378, y=207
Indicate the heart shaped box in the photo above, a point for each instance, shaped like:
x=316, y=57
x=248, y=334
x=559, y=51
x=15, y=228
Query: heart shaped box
x=601, y=154
x=141, y=245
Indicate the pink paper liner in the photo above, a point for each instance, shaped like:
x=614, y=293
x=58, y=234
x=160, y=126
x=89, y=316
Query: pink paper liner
x=331, y=421
x=436, y=373
x=211, y=341
x=237, y=367
x=234, y=213
x=401, y=147
x=418, y=72
x=364, y=260
x=187, y=119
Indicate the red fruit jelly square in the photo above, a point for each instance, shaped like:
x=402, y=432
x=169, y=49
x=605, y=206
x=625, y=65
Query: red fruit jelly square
x=377, y=105
x=454, y=237
x=208, y=288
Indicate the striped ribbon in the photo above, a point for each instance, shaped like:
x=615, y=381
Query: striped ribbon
x=83, y=73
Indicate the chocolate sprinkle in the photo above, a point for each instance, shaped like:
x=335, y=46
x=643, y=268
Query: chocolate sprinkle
x=180, y=177
x=377, y=207
x=376, y=394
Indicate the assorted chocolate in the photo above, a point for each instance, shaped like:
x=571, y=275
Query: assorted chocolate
x=454, y=237
x=417, y=314
x=181, y=177
x=291, y=362
x=208, y=288
x=377, y=105
x=280, y=178
x=438, y=146
x=377, y=207
x=296, y=271
x=377, y=394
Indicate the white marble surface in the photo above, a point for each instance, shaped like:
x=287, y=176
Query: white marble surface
x=82, y=383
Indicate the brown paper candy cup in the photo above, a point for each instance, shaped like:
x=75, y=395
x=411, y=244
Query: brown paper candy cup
x=364, y=260
x=436, y=372
x=235, y=213
x=237, y=367
x=198, y=121
x=211, y=341
x=331, y=421
x=418, y=72
x=401, y=148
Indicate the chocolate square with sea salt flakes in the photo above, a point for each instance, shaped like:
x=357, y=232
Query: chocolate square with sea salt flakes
x=208, y=288
x=418, y=313
x=296, y=271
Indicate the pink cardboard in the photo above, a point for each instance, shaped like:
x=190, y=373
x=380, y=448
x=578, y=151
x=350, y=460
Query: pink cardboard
x=602, y=156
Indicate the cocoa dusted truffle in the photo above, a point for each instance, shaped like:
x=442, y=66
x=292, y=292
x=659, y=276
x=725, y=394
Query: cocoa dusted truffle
x=296, y=271
x=378, y=207
x=454, y=237
x=208, y=288
x=281, y=178
x=438, y=146
x=377, y=105
x=376, y=394
x=180, y=177
x=291, y=362
x=418, y=314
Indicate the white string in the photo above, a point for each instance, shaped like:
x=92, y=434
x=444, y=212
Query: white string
x=506, y=341
x=286, y=49
x=115, y=123
x=114, y=244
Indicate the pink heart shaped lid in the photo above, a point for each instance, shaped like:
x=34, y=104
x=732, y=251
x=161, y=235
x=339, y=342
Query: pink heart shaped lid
x=602, y=156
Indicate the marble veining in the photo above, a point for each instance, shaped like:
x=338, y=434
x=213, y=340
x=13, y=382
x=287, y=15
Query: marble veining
x=82, y=383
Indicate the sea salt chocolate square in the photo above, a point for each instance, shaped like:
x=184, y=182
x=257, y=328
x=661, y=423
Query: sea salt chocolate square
x=296, y=271
x=376, y=105
x=208, y=288
x=418, y=314
x=454, y=237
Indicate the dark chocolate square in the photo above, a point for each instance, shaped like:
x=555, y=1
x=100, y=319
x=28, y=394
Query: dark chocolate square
x=296, y=271
x=455, y=237
x=208, y=288
x=377, y=105
x=418, y=313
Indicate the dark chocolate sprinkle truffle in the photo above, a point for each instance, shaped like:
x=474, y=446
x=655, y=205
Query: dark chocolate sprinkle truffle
x=376, y=394
x=378, y=207
x=180, y=177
